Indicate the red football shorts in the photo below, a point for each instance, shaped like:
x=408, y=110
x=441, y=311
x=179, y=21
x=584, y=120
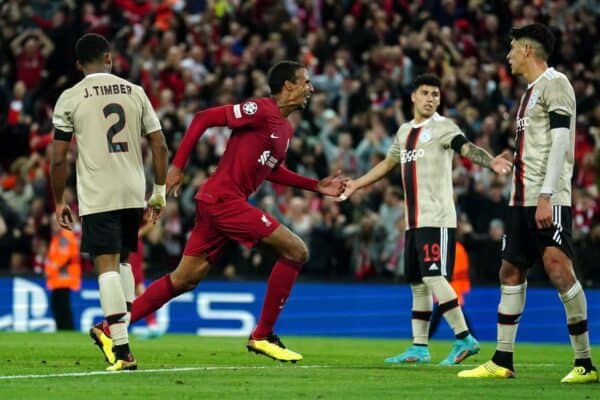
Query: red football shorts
x=228, y=219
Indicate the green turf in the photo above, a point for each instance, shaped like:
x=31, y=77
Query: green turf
x=343, y=369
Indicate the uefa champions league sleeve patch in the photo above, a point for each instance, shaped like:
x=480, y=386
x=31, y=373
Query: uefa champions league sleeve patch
x=250, y=108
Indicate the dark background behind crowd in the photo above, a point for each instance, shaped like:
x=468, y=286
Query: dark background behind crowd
x=362, y=55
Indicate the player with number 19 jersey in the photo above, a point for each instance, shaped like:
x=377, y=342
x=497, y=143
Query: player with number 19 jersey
x=103, y=112
x=425, y=154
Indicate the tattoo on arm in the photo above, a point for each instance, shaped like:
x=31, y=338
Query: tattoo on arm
x=476, y=154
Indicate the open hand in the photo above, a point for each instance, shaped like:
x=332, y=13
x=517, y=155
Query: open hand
x=333, y=185
x=174, y=181
x=351, y=187
x=501, y=164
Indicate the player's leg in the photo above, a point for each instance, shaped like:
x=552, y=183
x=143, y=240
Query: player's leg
x=102, y=237
x=293, y=253
x=436, y=248
x=517, y=254
x=136, y=260
x=114, y=307
x=202, y=247
x=557, y=249
x=512, y=303
x=422, y=305
x=127, y=279
x=189, y=272
x=203, y=244
x=434, y=323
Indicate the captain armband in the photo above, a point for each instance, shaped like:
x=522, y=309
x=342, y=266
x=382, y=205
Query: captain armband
x=458, y=142
x=559, y=120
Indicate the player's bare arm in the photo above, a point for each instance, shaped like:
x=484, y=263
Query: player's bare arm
x=160, y=152
x=375, y=174
x=58, y=177
x=499, y=164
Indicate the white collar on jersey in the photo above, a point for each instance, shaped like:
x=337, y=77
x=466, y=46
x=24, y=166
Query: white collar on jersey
x=97, y=74
x=549, y=69
x=435, y=117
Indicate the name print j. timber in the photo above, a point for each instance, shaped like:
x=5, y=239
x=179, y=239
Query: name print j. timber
x=108, y=116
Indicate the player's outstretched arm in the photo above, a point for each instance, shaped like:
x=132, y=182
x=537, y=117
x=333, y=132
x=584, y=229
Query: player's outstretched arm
x=375, y=174
x=500, y=164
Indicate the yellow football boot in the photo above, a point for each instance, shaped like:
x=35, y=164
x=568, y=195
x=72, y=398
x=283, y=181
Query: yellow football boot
x=580, y=375
x=104, y=343
x=488, y=370
x=124, y=365
x=272, y=347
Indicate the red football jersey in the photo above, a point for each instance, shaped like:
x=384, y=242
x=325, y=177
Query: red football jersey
x=259, y=141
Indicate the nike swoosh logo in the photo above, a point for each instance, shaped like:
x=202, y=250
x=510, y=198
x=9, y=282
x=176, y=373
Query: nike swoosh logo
x=273, y=136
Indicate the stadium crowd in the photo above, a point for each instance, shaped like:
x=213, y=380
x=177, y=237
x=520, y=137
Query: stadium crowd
x=363, y=56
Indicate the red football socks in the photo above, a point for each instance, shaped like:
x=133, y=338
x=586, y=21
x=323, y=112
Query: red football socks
x=150, y=319
x=157, y=294
x=279, y=286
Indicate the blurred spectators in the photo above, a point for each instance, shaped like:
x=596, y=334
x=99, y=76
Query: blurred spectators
x=363, y=56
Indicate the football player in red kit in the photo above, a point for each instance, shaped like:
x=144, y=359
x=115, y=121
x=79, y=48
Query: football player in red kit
x=255, y=152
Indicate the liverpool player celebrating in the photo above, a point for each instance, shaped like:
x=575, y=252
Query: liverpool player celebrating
x=255, y=152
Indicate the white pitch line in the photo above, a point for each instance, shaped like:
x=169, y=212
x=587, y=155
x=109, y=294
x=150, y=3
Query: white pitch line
x=226, y=368
x=151, y=371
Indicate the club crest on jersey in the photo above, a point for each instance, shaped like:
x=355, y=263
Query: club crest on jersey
x=267, y=159
x=425, y=136
x=250, y=108
x=532, y=100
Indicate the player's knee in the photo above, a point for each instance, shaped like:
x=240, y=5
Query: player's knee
x=511, y=275
x=298, y=253
x=187, y=279
x=560, y=274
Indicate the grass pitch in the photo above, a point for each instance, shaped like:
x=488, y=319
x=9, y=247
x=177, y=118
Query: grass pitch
x=67, y=366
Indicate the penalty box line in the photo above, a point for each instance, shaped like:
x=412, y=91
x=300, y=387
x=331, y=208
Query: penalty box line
x=152, y=371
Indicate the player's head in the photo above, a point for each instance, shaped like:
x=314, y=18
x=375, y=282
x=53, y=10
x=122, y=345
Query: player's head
x=289, y=81
x=93, y=50
x=426, y=95
x=529, y=42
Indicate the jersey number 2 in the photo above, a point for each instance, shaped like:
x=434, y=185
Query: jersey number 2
x=115, y=147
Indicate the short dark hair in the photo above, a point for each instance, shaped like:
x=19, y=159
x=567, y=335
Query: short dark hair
x=428, y=80
x=537, y=32
x=91, y=47
x=281, y=72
